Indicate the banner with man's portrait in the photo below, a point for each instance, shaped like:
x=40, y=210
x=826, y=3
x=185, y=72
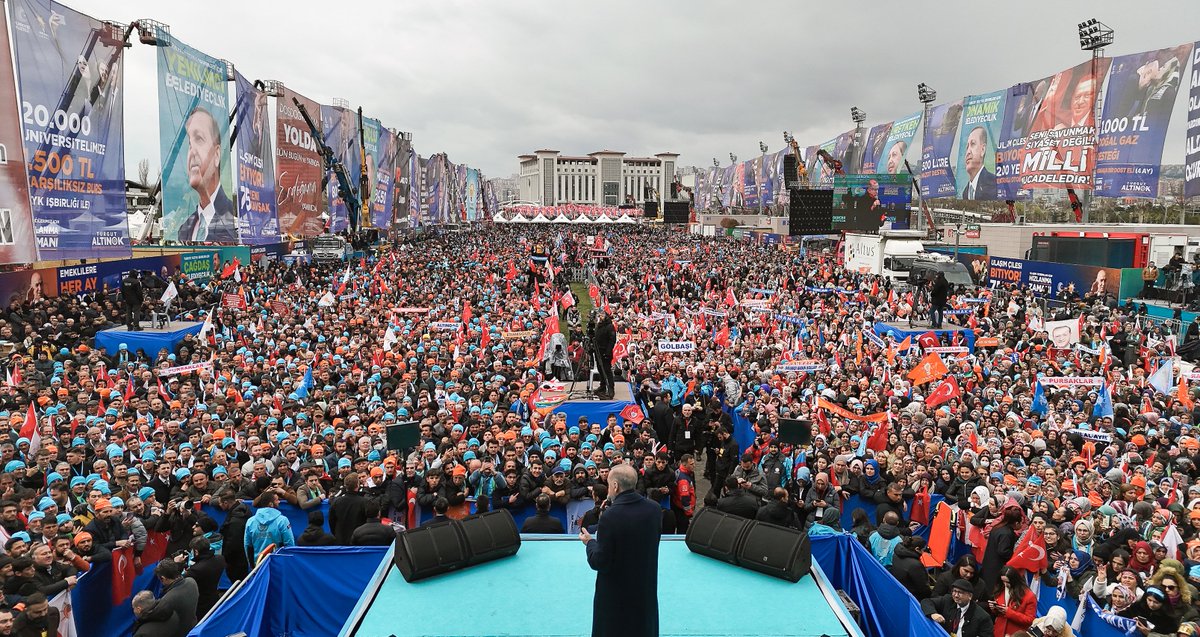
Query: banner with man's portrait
x=937, y=178
x=193, y=125
x=1191, y=168
x=340, y=128
x=873, y=150
x=1137, y=110
x=17, y=244
x=70, y=68
x=257, y=220
x=895, y=145
x=975, y=173
x=471, y=196
x=1059, y=150
x=382, y=162
x=299, y=198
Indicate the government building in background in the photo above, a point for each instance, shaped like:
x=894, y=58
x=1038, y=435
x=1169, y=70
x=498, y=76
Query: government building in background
x=606, y=178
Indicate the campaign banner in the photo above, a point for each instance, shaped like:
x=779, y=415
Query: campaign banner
x=402, y=179
x=434, y=210
x=382, y=161
x=1071, y=381
x=866, y=202
x=447, y=326
x=975, y=172
x=676, y=346
x=1052, y=279
x=895, y=145
x=339, y=126
x=952, y=349
x=257, y=221
x=1024, y=101
x=1191, y=171
x=1137, y=110
x=233, y=301
x=471, y=196
x=193, y=124
x=1059, y=150
x=937, y=178
x=873, y=150
x=517, y=334
x=105, y=277
x=411, y=310
x=184, y=369
x=299, y=199
x=489, y=198
x=199, y=266
x=71, y=73
x=416, y=184
x=17, y=243
x=836, y=148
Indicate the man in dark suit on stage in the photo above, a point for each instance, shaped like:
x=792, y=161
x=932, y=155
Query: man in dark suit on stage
x=624, y=555
x=215, y=217
x=133, y=295
x=981, y=184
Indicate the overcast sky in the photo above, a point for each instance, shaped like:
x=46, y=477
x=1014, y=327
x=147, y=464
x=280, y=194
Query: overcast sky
x=486, y=81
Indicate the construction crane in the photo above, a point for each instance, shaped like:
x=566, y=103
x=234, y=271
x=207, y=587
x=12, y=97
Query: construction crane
x=345, y=189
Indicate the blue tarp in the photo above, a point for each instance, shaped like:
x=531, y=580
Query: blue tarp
x=946, y=335
x=150, y=341
x=596, y=411
x=92, y=607
x=298, y=591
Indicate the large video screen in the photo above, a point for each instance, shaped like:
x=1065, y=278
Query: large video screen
x=866, y=202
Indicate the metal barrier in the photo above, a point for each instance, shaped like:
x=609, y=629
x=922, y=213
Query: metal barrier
x=1167, y=326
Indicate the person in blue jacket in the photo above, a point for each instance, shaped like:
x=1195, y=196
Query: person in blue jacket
x=267, y=527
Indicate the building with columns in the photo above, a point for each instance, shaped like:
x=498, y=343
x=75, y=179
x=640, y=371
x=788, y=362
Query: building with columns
x=606, y=178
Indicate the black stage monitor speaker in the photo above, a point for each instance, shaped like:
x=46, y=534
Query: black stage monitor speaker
x=431, y=550
x=650, y=209
x=717, y=535
x=443, y=547
x=810, y=211
x=795, y=432
x=490, y=536
x=675, y=212
x=789, y=171
x=776, y=551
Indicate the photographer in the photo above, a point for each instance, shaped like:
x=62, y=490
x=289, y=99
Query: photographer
x=206, y=569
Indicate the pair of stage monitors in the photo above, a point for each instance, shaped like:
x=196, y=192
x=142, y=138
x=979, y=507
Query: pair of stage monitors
x=452, y=545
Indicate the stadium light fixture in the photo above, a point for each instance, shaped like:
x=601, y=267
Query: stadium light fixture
x=925, y=93
x=858, y=115
x=732, y=158
x=1094, y=35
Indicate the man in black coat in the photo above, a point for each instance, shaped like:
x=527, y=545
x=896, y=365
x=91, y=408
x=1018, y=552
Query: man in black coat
x=939, y=293
x=132, y=294
x=179, y=599
x=39, y=617
x=604, y=341
x=663, y=417
x=373, y=532
x=542, y=521
x=957, y=611
x=348, y=511
x=738, y=501
x=625, y=557
x=233, y=529
x=777, y=510
x=206, y=570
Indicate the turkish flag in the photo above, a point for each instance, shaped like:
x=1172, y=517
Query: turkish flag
x=1030, y=553
x=123, y=574
x=621, y=349
x=919, y=509
x=633, y=414
x=722, y=337
x=878, y=439
x=928, y=339
x=929, y=369
x=594, y=292
x=945, y=391
x=156, y=548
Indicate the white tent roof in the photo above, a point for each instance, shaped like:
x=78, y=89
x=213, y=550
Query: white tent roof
x=625, y=218
x=561, y=219
x=581, y=219
x=541, y=218
x=605, y=219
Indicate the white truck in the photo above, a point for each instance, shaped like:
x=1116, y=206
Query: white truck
x=890, y=253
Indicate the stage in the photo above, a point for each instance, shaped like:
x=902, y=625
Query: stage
x=946, y=333
x=546, y=589
x=149, y=339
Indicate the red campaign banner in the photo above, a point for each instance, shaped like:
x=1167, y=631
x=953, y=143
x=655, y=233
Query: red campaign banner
x=299, y=197
x=633, y=414
x=233, y=300
x=17, y=244
x=1060, y=150
x=280, y=308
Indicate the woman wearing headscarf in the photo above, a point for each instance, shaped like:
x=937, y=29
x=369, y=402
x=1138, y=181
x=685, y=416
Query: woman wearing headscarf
x=1013, y=605
x=1171, y=581
x=829, y=524
x=872, y=482
x=907, y=567
x=965, y=568
x=1120, y=599
x=1054, y=624
x=1152, y=613
x=1001, y=536
x=1084, y=538
x=1142, y=561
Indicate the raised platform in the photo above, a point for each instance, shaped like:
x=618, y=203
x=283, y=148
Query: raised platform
x=946, y=333
x=149, y=339
x=547, y=588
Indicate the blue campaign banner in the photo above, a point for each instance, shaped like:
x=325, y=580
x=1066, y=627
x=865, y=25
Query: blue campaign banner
x=896, y=143
x=876, y=141
x=71, y=73
x=1137, y=110
x=382, y=161
x=937, y=179
x=257, y=219
x=1191, y=171
x=1051, y=279
x=340, y=128
x=1023, y=103
x=416, y=177
x=433, y=190
x=472, y=194
x=975, y=174
x=193, y=126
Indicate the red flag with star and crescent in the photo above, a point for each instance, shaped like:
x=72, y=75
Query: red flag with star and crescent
x=1030, y=552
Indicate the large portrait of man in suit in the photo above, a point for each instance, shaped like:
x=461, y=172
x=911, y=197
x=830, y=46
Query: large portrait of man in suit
x=215, y=218
x=981, y=184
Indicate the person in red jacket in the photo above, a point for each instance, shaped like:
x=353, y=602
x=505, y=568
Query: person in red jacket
x=1012, y=605
x=683, y=496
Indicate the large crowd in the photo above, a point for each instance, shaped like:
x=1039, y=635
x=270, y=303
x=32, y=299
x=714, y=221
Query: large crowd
x=290, y=399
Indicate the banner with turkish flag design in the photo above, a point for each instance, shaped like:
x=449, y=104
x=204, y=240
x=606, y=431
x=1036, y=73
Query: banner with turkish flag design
x=123, y=574
x=946, y=390
x=621, y=349
x=1030, y=552
x=156, y=549
x=633, y=414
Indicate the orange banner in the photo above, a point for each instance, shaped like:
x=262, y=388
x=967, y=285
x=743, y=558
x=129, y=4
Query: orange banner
x=929, y=369
x=849, y=415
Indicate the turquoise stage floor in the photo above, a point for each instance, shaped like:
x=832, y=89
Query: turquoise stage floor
x=546, y=589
